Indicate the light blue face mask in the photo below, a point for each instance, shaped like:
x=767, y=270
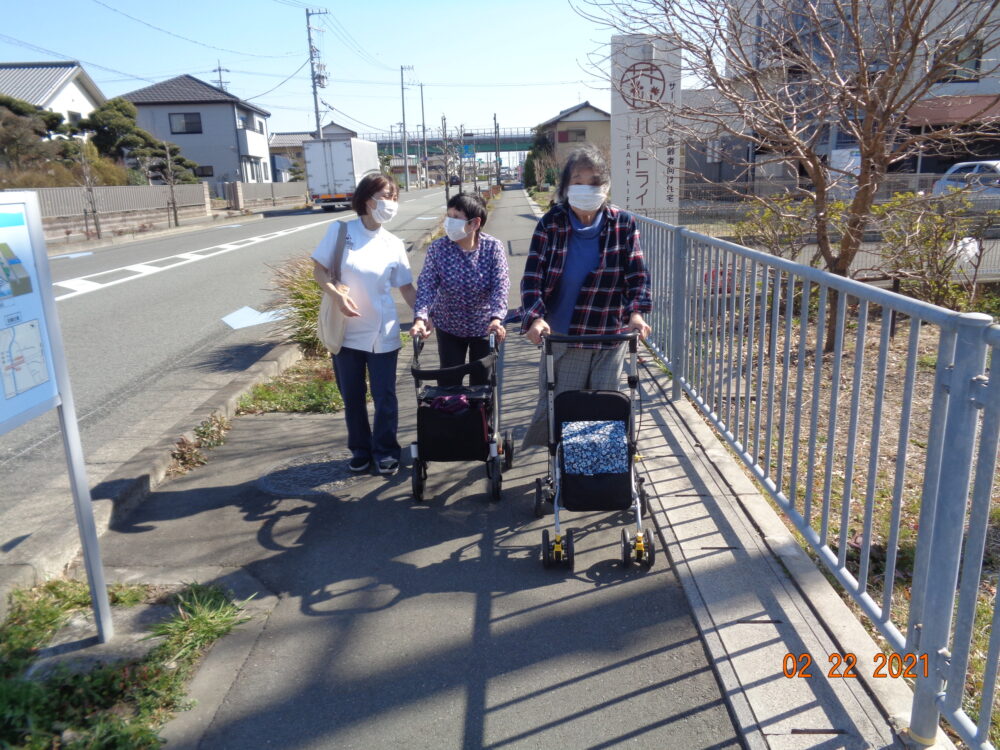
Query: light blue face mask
x=455, y=228
x=586, y=197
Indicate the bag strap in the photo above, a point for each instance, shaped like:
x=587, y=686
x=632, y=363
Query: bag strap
x=338, y=253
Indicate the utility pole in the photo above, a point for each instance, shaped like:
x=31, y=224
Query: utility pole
x=406, y=152
x=444, y=149
x=220, y=70
x=423, y=124
x=496, y=135
x=317, y=68
x=461, y=157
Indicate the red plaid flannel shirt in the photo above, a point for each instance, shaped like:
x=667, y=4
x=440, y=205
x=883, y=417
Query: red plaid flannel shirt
x=616, y=289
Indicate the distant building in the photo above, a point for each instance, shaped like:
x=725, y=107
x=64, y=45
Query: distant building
x=583, y=123
x=225, y=135
x=62, y=87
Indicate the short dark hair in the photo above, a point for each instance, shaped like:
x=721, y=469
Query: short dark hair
x=370, y=185
x=586, y=156
x=471, y=205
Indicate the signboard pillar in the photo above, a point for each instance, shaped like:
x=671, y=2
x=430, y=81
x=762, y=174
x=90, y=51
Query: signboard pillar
x=33, y=373
x=645, y=152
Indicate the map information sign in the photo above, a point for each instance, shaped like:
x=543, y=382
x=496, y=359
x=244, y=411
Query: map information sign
x=27, y=382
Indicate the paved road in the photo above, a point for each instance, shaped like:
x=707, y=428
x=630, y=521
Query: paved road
x=143, y=348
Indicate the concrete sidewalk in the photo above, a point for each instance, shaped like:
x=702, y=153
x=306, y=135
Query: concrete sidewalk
x=380, y=621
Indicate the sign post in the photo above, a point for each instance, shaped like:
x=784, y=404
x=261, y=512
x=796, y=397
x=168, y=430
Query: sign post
x=645, y=153
x=33, y=373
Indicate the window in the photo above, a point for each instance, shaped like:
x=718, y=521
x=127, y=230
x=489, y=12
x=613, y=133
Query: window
x=576, y=136
x=204, y=171
x=74, y=118
x=960, y=61
x=185, y=122
x=713, y=151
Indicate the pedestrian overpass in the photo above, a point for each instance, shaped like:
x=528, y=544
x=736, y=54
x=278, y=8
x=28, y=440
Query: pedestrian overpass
x=469, y=141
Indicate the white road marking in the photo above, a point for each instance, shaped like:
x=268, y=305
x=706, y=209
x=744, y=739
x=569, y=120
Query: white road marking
x=79, y=285
x=247, y=316
x=86, y=284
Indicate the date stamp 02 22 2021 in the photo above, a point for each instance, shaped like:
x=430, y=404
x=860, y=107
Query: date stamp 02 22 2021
x=892, y=665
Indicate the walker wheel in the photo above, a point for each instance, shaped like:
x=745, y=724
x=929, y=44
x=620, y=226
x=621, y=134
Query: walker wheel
x=643, y=502
x=626, y=549
x=546, y=550
x=539, y=499
x=648, y=542
x=417, y=476
x=508, y=450
x=568, y=551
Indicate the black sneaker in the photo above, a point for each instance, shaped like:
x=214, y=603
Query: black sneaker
x=388, y=466
x=359, y=464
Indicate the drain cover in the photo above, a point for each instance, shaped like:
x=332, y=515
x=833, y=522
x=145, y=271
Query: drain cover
x=323, y=473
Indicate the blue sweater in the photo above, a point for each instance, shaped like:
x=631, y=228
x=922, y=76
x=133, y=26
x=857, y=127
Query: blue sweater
x=583, y=256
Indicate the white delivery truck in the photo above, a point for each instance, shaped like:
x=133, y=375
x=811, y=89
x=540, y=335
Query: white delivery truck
x=335, y=167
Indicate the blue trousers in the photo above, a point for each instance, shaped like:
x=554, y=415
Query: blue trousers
x=349, y=367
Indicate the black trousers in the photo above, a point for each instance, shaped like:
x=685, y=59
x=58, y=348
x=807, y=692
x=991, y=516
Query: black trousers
x=452, y=351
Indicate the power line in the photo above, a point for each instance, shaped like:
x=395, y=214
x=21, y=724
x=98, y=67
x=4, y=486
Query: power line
x=184, y=38
x=35, y=48
x=248, y=98
x=354, y=119
x=352, y=44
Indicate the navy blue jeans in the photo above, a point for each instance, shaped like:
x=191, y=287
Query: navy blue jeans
x=349, y=367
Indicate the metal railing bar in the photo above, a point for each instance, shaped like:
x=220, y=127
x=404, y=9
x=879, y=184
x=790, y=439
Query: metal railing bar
x=847, y=495
x=838, y=353
x=760, y=347
x=814, y=421
x=902, y=451
x=932, y=473
x=873, y=452
x=800, y=374
x=786, y=366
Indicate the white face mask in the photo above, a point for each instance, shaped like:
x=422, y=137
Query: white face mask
x=384, y=210
x=455, y=228
x=586, y=197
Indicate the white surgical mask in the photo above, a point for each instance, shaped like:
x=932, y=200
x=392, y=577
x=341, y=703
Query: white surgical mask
x=384, y=210
x=586, y=197
x=455, y=228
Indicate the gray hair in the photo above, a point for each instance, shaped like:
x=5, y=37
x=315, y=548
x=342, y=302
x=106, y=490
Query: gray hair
x=586, y=156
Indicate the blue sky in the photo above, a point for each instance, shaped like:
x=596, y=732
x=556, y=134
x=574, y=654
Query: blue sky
x=525, y=60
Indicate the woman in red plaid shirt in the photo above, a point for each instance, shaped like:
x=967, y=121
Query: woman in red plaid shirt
x=584, y=275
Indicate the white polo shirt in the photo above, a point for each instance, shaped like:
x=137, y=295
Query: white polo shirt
x=374, y=263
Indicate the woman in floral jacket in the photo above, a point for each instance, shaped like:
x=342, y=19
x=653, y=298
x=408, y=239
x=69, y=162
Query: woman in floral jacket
x=462, y=288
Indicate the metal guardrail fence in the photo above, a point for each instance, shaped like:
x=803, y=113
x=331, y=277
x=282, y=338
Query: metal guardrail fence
x=872, y=421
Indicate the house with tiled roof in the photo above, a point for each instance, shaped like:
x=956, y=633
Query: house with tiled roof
x=226, y=136
x=61, y=86
x=583, y=123
x=287, y=150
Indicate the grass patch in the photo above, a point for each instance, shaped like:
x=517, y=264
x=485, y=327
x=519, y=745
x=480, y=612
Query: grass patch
x=306, y=387
x=114, y=706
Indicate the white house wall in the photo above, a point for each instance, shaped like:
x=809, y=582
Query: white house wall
x=71, y=98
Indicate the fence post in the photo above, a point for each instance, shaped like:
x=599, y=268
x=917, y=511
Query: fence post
x=678, y=311
x=949, y=523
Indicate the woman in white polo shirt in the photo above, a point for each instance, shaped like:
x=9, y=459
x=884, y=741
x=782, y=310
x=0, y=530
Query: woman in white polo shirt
x=374, y=262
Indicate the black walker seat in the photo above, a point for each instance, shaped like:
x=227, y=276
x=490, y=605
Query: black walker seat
x=466, y=434
x=583, y=492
